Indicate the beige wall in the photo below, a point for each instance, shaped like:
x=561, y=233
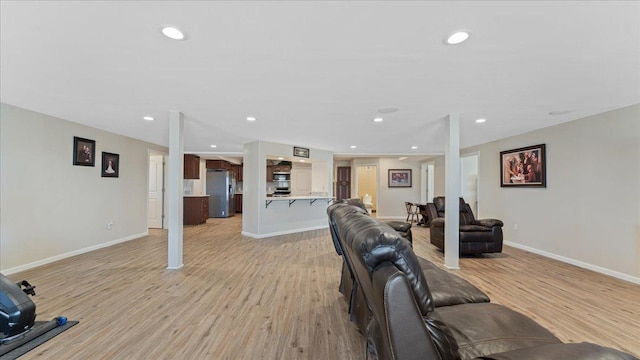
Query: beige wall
x=368, y=182
x=589, y=213
x=52, y=209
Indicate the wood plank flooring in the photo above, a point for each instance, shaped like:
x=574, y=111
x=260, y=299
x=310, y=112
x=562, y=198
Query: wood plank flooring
x=277, y=298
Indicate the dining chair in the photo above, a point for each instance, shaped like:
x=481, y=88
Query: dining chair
x=411, y=212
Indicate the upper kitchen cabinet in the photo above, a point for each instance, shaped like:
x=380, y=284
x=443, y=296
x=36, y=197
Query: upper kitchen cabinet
x=218, y=164
x=237, y=170
x=191, y=166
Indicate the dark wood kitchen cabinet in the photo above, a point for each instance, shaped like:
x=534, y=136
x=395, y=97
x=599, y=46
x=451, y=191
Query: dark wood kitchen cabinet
x=191, y=166
x=238, y=203
x=196, y=210
x=218, y=164
x=269, y=173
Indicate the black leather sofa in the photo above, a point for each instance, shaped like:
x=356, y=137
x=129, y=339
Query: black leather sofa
x=440, y=281
x=405, y=322
x=476, y=236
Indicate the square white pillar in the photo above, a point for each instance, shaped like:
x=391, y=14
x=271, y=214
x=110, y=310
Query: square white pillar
x=452, y=192
x=174, y=189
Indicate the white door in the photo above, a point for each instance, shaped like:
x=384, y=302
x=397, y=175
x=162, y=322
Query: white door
x=155, y=191
x=469, y=181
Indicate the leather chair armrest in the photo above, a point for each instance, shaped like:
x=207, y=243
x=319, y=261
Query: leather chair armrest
x=488, y=222
x=431, y=211
x=438, y=222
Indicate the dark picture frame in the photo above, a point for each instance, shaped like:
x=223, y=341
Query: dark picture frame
x=110, y=165
x=300, y=152
x=524, y=167
x=84, y=151
x=400, y=178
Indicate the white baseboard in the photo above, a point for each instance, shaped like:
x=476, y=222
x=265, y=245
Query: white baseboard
x=285, y=232
x=578, y=263
x=51, y=259
x=382, y=217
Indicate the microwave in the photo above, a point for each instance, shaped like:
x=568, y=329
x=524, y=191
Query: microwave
x=281, y=177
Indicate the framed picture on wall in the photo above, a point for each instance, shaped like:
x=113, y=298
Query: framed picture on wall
x=523, y=167
x=84, y=152
x=110, y=165
x=399, y=178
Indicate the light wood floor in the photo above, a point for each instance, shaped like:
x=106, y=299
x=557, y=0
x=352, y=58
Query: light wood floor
x=277, y=298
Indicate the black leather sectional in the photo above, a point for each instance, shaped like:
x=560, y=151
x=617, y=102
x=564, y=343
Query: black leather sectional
x=418, y=311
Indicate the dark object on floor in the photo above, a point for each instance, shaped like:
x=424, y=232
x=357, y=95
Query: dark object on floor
x=37, y=341
x=17, y=316
x=476, y=236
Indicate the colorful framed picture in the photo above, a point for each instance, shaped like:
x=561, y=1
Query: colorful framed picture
x=110, y=165
x=399, y=178
x=84, y=152
x=523, y=167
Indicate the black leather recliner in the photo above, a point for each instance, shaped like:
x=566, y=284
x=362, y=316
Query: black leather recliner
x=476, y=236
x=406, y=323
x=447, y=289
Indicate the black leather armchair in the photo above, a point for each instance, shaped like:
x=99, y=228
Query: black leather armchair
x=476, y=236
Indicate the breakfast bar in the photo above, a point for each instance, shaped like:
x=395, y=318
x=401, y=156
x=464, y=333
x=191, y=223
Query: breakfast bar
x=293, y=199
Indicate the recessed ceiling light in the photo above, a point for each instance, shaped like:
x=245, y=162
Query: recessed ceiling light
x=414, y=147
x=353, y=146
x=148, y=118
x=378, y=120
x=560, y=112
x=402, y=158
x=280, y=158
x=480, y=121
x=302, y=160
x=457, y=37
x=213, y=146
x=387, y=110
x=251, y=118
x=173, y=33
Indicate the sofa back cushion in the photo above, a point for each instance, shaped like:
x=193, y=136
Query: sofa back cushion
x=371, y=242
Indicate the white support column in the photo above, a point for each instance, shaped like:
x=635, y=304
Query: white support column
x=452, y=192
x=175, y=189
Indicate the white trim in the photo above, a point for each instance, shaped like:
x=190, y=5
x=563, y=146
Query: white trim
x=392, y=218
x=285, y=232
x=175, y=268
x=55, y=258
x=578, y=263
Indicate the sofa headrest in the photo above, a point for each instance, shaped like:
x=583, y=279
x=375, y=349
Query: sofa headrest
x=372, y=242
x=332, y=225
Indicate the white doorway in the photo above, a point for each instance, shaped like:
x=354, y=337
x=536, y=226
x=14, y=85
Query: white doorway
x=469, y=180
x=155, y=211
x=427, y=179
x=367, y=186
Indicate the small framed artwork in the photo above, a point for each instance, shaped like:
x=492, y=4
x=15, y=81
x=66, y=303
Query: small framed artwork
x=84, y=152
x=399, y=178
x=110, y=165
x=523, y=167
x=300, y=152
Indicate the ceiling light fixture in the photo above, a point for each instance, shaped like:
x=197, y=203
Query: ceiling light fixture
x=402, y=158
x=480, y=121
x=302, y=160
x=251, y=118
x=457, y=37
x=280, y=158
x=414, y=147
x=353, y=146
x=148, y=118
x=378, y=120
x=214, y=146
x=174, y=33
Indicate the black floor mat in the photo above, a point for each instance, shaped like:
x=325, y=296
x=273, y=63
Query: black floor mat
x=26, y=347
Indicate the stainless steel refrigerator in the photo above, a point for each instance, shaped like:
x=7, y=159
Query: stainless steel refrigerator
x=221, y=188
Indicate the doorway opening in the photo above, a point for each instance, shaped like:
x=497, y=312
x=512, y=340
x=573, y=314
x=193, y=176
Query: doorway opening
x=367, y=186
x=469, y=180
x=156, y=206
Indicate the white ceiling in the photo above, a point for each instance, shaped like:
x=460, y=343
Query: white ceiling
x=315, y=73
